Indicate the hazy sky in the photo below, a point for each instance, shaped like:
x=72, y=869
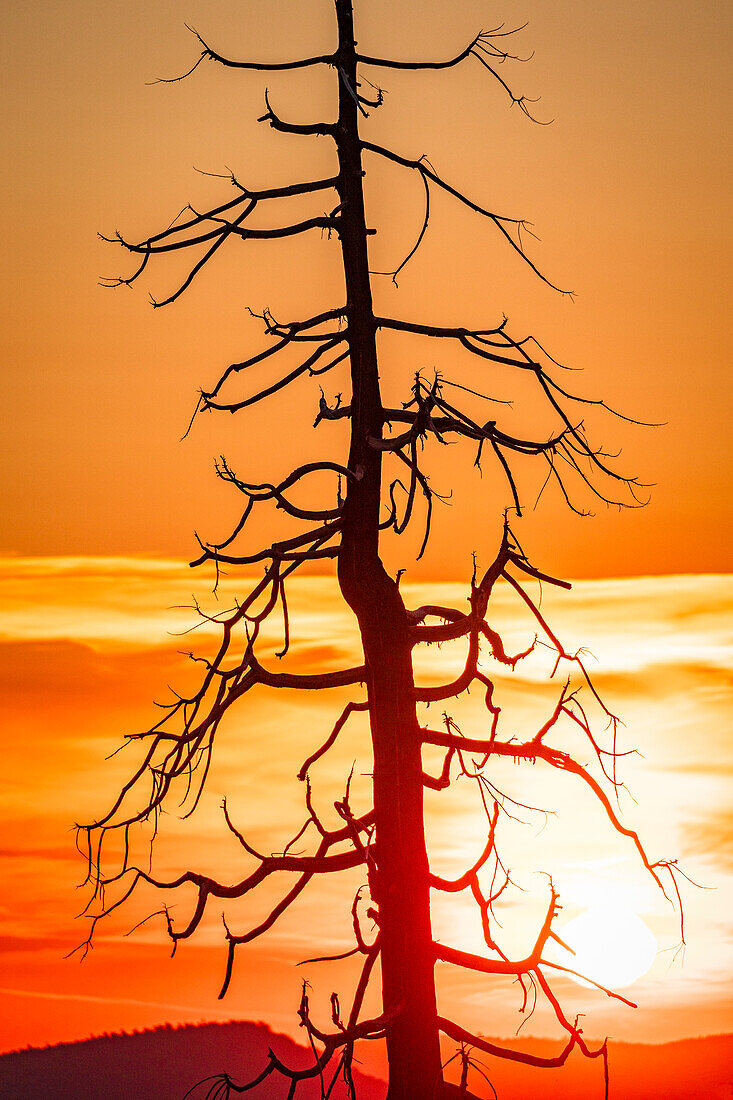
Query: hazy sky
x=627, y=190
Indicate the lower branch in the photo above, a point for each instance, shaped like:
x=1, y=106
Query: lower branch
x=454, y=1031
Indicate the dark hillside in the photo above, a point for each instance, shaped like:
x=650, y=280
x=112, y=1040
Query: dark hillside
x=161, y=1065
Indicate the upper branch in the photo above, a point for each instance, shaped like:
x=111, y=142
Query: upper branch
x=500, y=221
x=365, y=59
x=483, y=47
x=185, y=234
x=308, y=129
x=208, y=53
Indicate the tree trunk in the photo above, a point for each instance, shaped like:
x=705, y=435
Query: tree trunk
x=401, y=887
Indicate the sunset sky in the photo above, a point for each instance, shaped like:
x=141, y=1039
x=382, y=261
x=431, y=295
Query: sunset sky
x=628, y=191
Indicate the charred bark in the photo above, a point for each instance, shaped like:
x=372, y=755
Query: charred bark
x=399, y=879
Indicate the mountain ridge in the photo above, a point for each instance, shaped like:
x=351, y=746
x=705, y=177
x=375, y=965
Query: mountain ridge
x=162, y=1063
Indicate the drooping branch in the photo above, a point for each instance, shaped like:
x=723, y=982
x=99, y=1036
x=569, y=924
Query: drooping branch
x=323, y=861
x=500, y=221
x=320, y=864
x=308, y=366
x=293, y=332
x=469, y=961
x=185, y=234
x=423, y=230
x=177, y=753
x=349, y=709
x=365, y=59
x=454, y=1031
x=429, y=414
x=536, y=749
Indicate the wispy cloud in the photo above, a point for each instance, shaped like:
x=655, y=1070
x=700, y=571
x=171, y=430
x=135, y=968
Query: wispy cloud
x=166, y=1006
x=711, y=837
x=10, y=945
x=629, y=623
x=28, y=853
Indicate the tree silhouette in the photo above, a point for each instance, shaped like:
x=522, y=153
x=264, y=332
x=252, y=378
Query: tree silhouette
x=381, y=485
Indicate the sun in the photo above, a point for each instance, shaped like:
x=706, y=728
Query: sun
x=613, y=946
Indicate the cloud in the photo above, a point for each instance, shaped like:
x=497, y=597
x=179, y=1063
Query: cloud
x=67, y=853
x=315, y=658
x=712, y=838
x=664, y=677
x=46, y=676
x=702, y=767
x=629, y=624
x=46, y=995
x=13, y=944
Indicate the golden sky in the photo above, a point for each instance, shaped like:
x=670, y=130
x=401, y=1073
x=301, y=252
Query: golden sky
x=627, y=190
x=88, y=643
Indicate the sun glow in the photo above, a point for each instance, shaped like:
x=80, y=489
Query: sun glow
x=612, y=946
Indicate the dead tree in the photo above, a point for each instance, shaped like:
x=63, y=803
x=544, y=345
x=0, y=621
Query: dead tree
x=388, y=840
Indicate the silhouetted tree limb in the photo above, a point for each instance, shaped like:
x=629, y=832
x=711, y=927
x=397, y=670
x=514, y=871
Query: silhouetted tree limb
x=462, y=1036
x=499, y=220
x=207, y=53
x=483, y=47
x=330, y=740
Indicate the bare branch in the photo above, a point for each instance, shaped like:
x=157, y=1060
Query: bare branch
x=499, y=220
x=308, y=366
x=291, y=333
x=461, y=1035
x=340, y=723
x=483, y=48
x=313, y=129
x=210, y=54
x=418, y=242
x=468, y=961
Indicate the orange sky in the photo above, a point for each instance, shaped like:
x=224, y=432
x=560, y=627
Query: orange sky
x=87, y=643
x=627, y=191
